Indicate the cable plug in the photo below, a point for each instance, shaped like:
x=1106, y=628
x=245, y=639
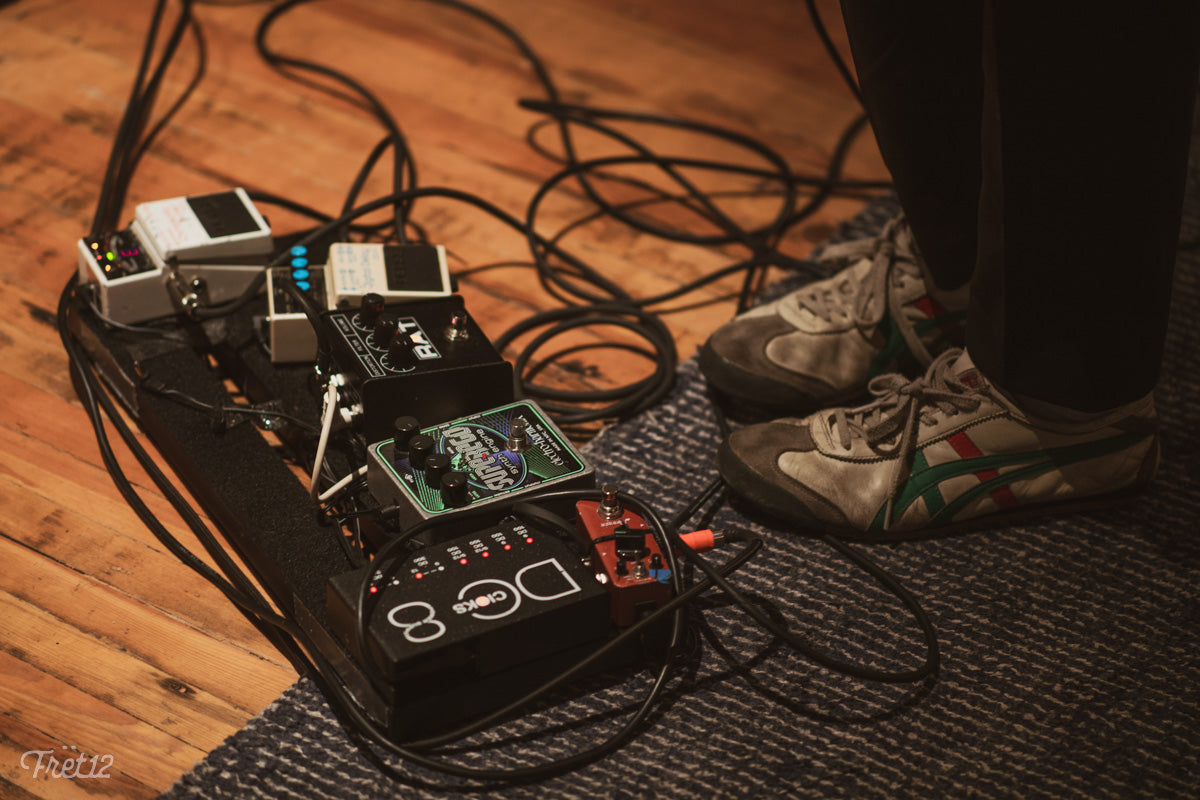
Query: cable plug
x=704, y=540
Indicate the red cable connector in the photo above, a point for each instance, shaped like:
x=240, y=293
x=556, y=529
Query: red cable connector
x=704, y=540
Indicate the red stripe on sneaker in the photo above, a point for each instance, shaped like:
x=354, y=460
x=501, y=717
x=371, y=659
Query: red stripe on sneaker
x=927, y=306
x=1004, y=497
x=963, y=445
x=966, y=448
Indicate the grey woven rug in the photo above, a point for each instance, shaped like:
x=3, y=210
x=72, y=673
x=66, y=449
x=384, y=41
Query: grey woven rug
x=1071, y=651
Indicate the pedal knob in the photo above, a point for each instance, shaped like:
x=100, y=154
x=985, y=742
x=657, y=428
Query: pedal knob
x=400, y=352
x=454, y=489
x=420, y=447
x=371, y=307
x=437, y=465
x=609, y=507
x=385, y=329
x=403, y=430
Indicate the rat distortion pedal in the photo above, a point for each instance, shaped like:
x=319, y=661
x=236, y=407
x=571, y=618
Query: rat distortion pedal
x=427, y=359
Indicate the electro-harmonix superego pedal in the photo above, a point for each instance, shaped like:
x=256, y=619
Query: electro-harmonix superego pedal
x=496, y=456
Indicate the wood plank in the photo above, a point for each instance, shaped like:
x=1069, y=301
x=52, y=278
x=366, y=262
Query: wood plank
x=47, y=591
x=20, y=746
x=46, y=515
x=163, y=701
x=79, y=720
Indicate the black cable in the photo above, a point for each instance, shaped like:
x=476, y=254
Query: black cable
x=404, y=175
x=169, y=114
x=819, y=26
x=233, y=583
x=588, y=117
x=249, y=411
x=126, y=148
x=633, y=397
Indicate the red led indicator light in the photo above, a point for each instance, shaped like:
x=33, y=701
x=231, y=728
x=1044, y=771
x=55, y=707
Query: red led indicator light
x=528, y=540
x=419, y=575
x=485, y=554
x=462, y=560
x=508, y=547
x=374, y=589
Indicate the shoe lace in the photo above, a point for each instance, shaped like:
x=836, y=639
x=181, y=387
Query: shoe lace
x=889, y=423
x=893, y=255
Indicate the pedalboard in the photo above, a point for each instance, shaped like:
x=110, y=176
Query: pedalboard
x=626, y=558
x=471, y=623
x=500, y=455
x=425, y=359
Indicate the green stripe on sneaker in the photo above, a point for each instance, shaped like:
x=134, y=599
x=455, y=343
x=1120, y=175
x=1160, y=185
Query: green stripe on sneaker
x=933, y=497
x=893, y=351
x=987, y=487
x=896, y=354
x=1031, y=463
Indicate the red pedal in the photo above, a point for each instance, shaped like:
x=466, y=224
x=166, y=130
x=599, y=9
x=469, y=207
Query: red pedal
x=626, y=558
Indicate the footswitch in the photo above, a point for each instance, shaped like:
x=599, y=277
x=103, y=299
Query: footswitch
x=491, y=457
x=395, y=272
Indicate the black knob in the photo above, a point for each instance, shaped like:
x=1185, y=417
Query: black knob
x=420, y=447
x=403, y=430
x=371, y=307
x=400, y=352
x=436, y=466
x=385, y=329
x=454, y=489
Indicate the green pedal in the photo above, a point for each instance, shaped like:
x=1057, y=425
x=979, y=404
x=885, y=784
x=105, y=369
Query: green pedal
x=496, y=456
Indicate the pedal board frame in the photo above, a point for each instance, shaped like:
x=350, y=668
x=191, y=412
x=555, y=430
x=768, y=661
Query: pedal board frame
x=263, y=510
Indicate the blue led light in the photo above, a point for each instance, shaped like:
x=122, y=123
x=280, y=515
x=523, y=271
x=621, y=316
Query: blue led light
x=299, y=262
x=299, y=250
x=299, y=274
x=304, y=285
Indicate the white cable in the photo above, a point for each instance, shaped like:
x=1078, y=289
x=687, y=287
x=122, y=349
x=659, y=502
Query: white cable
x=342, y=484
x=327, y=415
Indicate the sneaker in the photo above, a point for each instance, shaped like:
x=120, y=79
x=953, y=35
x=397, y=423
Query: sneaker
x=940, y=452
x=820, y=345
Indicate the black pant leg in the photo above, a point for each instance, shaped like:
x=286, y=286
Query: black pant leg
x=1087, y=118
x=919, y=68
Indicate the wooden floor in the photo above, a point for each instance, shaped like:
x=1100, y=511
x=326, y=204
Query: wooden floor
x=110, y=646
